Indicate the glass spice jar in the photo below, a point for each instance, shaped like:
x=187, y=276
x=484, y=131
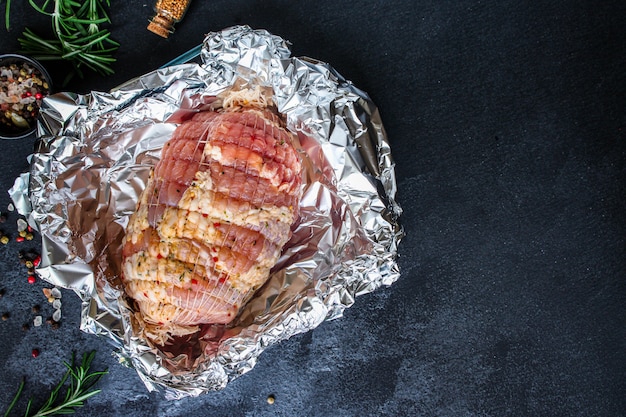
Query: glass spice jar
x=168, y=13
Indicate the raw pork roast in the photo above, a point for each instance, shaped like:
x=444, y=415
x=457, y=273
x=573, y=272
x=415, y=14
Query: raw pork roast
x=211, y=223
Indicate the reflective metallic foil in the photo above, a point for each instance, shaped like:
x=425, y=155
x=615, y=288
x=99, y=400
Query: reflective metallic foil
x=93, y=158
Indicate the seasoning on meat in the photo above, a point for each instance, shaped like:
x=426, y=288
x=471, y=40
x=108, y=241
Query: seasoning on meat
x=214, y=217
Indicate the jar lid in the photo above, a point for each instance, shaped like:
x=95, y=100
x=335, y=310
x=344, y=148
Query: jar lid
x=161, y=25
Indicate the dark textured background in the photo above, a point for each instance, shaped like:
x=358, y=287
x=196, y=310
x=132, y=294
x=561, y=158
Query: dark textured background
x=507, y=123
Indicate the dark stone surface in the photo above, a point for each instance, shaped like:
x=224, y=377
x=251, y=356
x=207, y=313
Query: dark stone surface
x=507, y=125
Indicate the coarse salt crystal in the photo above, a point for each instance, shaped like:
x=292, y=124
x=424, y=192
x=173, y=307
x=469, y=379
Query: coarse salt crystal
x=37, y=321
x=56, y=316
x=21, y=225
x=56, y=304
x=56, y=293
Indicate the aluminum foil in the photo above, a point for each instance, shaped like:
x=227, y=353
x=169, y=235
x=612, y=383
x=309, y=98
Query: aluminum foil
x=93, y=158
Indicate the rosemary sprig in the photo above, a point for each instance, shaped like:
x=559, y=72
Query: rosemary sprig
x=79, y=37
x=81, y=381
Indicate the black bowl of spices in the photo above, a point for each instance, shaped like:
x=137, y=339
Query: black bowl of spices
x=24, y=83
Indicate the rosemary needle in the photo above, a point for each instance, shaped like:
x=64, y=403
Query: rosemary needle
x=17, y=396
x=7, y=9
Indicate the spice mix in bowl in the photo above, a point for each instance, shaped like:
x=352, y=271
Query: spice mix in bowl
x=23, y=85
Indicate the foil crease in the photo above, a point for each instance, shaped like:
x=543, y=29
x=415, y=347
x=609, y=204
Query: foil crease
x=92, y=160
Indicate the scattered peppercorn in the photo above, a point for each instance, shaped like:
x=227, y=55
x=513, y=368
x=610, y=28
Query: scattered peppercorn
x=36, y=308
x=29, y=264
x=32, y=279
x=55, y=325
x=35, y=353
x=2, y=292
x=271, y=399
x=4, y=239
x=19, y=239
x=5, y=316
x=3, y=217
x=25, y=327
